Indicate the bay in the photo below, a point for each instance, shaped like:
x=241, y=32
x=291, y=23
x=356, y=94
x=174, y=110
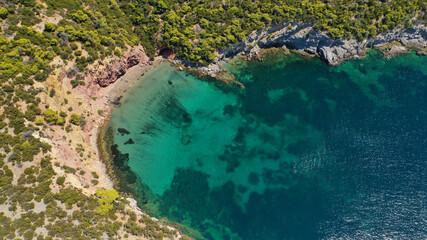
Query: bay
x=306, y=151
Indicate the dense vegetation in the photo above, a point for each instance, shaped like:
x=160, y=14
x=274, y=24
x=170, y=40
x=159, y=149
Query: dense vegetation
x=194, y=29
x=66, y=213
x=39, y=36
x=35, y=201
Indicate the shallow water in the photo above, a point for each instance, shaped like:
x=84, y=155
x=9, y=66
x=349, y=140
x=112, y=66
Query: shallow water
x=307, y=151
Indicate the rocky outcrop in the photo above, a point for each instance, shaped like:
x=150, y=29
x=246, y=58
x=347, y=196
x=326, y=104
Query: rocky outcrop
x=394, y=49
x=118, y=67
x=306, y=38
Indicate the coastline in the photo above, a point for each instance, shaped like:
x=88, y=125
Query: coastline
x=114, y=93
x=75, y=147
x=306, y=39
x=103, y=141
x=210, y=120
x=105, y=98
x=93, y=103
x=296, y=37
x=177, y=188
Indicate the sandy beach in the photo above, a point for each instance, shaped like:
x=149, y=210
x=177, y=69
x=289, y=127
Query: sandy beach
x=114, y=94
x=75, y=147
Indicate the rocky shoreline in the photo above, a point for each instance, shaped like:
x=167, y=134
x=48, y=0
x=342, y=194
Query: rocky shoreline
x=122, y=72
x=306, y=39
x=300, y=37
x=303, y=38
x=109, y=73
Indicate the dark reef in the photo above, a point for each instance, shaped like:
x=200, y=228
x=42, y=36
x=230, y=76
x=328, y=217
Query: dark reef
x=123, y=131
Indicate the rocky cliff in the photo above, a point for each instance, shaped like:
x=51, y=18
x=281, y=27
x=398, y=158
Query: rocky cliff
x=109, y=73
x=296, y=36
x=306, y=38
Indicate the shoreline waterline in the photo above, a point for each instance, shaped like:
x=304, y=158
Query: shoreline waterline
x=353, y=78
x=105, y=141
x=305, y=38
x=118, y=91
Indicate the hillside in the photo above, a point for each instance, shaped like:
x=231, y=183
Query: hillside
x=50, y=173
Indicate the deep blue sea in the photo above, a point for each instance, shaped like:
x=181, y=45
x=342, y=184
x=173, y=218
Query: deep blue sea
x=306, y=151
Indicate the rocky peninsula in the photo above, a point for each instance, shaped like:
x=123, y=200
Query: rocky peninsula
x=307, y=39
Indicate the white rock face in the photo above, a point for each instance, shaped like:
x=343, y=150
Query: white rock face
x=304, y=37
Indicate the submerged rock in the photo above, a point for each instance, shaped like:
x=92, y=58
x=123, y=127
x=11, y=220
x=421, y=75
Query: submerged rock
x=123, y=131
x=130, y=177
x=120, y=160
x=185, y=139
x=130, y=141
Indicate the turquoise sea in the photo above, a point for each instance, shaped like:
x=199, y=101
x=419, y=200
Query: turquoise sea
x=306, y=151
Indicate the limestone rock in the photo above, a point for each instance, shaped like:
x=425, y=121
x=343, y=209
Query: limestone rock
x=396, y=50
x=306, y=38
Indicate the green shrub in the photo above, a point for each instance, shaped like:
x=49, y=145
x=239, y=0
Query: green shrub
x=60, y=180
x=74, y=46
x=75, y=119
x=75, y=83
x=2, y=124
x=52, y=93
x=49, y=27
x=3, y=13
x=69, y=196
x=95, y=175
x=53, y=118
x=107, y=197
x=79, y=16
x=7, y=88
x=39, y=122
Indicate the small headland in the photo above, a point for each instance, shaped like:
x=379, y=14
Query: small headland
x=306, y=39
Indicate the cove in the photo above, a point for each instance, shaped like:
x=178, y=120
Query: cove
x=306, y=151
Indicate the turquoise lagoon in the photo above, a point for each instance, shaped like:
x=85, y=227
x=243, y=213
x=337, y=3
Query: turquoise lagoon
x=306, y=151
